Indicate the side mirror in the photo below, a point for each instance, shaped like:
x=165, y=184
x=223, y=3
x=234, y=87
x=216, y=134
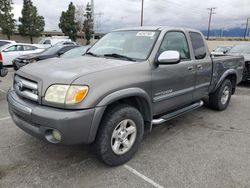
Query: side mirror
x=60, y=53
x=169, y=57
x=225, y=51
x=6, y=50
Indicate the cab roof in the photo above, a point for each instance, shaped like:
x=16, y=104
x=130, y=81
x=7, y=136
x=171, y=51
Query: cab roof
x=157, y=28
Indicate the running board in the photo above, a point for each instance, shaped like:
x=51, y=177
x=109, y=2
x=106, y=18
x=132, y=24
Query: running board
x=177, y=113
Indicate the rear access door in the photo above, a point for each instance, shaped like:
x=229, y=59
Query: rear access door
x=202, y=65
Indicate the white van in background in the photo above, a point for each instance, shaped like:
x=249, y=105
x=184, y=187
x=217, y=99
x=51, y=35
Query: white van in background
x=56, y=40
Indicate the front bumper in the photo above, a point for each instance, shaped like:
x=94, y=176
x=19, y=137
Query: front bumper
x=246, y=73
x=75, y=126
x=18, y=64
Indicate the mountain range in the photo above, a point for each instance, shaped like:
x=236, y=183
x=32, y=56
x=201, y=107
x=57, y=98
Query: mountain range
x=232, y=32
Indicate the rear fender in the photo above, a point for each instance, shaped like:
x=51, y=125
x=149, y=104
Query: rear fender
x=230, y=72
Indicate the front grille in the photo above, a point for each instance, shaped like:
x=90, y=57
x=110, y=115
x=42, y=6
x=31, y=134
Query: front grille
x=26, y=88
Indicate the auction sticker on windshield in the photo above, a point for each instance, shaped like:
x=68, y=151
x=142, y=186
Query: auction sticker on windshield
x=145, y=34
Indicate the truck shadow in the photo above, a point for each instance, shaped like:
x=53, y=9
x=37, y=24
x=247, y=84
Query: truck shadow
x=244, y=84
x=61, y=156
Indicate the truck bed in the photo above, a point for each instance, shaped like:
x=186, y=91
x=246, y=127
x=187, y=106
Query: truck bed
x=224, y=63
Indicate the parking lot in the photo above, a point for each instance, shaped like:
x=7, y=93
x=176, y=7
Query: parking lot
x=204, y=148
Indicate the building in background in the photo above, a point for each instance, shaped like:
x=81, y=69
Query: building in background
x=25, y=39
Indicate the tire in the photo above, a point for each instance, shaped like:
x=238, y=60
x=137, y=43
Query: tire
x=220, y=99
x=15, y=67
x=107, y=142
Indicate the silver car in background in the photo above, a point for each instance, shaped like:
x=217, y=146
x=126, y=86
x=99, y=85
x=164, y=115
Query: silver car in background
x=244, y=50
x=4, y=42
x=221, y=50
x=76, y=52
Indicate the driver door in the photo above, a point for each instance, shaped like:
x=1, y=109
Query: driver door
x=173, y=84
x=11, y=53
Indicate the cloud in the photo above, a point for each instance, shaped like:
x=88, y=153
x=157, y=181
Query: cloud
x=113, y=14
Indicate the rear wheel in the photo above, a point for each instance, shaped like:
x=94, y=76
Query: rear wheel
x=119, y=135
x=220, y=99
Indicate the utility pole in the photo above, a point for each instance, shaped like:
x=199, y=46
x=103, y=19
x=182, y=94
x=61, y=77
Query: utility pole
x=142, y=7
x=98, y=17
x=246, y=28
x=211, y=12
x=221, y=33
x=93, y=12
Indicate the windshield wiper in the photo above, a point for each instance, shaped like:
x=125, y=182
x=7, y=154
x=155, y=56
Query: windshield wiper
x=119, y=56
x=92, y=54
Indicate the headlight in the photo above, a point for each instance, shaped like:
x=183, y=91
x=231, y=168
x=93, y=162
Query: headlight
x=65, y=94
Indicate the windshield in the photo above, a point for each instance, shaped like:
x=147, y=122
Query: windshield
x=132, y=44
x=76, y=52
x=243, y=49
x=51, y=51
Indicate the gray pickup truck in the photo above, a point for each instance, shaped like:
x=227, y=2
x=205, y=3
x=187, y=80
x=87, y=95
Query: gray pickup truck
x=130, y=79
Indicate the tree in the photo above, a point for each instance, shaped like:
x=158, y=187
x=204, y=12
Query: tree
x=88, y=24
x=32, y=24
x=7, y=23
x=67, y=22
x=79, y=19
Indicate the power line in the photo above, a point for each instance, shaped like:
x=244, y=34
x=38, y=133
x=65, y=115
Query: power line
x=211, y=12
x=180, y=10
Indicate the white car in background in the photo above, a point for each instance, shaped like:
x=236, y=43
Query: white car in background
x=4, y=42
x=9, y=52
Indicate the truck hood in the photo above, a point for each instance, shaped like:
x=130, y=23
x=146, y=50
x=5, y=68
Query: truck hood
x=65, y=71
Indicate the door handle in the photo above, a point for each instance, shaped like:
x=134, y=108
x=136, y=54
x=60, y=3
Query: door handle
x=199, y=67
x=190, y=68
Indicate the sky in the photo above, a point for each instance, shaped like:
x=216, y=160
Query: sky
x=114, y=14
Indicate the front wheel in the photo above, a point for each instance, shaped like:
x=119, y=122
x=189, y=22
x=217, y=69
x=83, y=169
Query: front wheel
x=119, y=135
x=220, y=99
x=15, y=67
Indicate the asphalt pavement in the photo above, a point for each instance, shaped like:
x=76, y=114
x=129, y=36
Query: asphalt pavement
x=202, y=149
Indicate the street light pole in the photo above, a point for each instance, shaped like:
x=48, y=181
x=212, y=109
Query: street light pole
x=142, y=7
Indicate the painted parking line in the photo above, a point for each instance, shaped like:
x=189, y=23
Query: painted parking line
x=5, y=118
x=3, y=91
x=152, y=182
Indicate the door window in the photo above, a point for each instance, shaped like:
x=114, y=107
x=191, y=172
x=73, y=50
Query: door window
x=47, y=42
x=65, y=49
x=176, y=41
x=14, y=48
x=198, y=45
x=29, y=48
